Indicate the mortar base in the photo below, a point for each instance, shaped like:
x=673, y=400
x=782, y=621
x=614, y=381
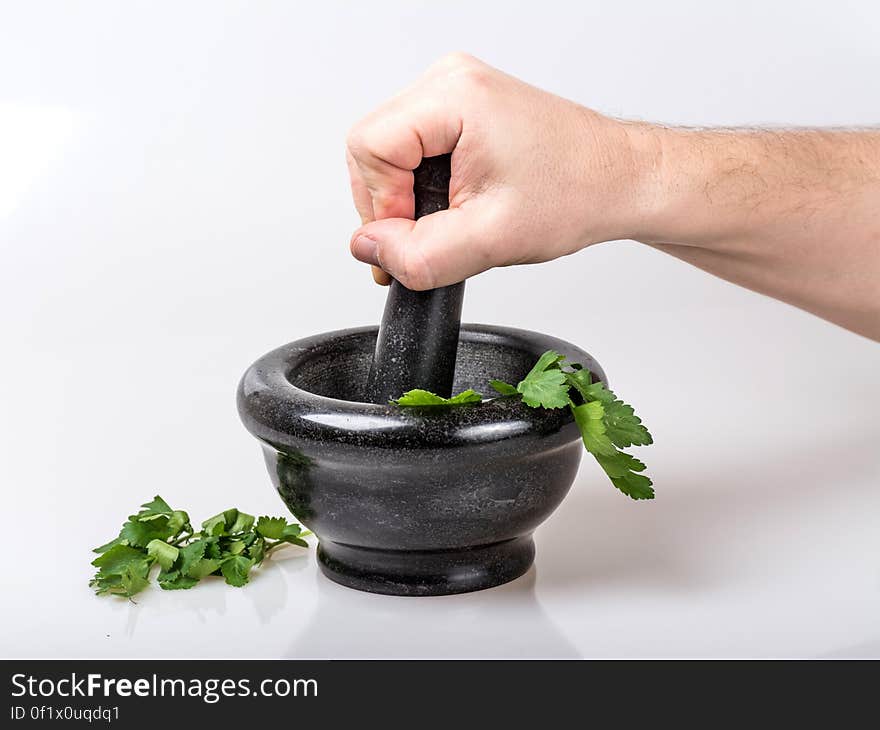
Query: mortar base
x=426, y=572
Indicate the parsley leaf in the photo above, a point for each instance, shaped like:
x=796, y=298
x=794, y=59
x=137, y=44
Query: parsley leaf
x=545, y=384
x=272, y=527
x=420, y=397
x=140, y=533
x=117, y=558
x=504, y=388
x=174, y=580
x=228, y=522
x=155, y=508
x=203, y=567
x=621, y=468
x=546, y=389
x=606, y=423
x=598, y=437
x=162, y=553
x=113, y=543
x=590, y=418
x=235, y=570
x=230, y=544
x=135, y=578
x=624, y=427
x=122, y=570
x=191, y=554
x=549, y=359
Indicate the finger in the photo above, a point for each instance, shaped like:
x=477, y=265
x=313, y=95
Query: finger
x=363, y=202
x=364, y=205
x=389, y=144
x=382, y=278
x=437, y=250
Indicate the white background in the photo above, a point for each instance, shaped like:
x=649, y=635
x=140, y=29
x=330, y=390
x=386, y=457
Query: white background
x=174, y=202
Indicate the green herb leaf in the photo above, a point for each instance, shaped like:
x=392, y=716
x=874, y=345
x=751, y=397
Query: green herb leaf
x=229, y=544
x=271, y=527
x=503, y=388
x=606, y=423
x=236, y=547
x=117, y=558
x=581, y=379
x=212, y=548
x=257, y=551
x=190, y=554
x=242, y=523
x=621, y=468
x=466, y=396
x=590, y=419
x=419, y=397
x=140, y=534
x=157, y=507
x=293, y=540
x=202, y=567
x=545, y=385
x=162, y=553
x=546, y=389
x=123, y=570
x=174, y=580
x=135, y=578
x=624, y=427
x=219, y=524
x=104, y=548
x=549, y=359
x=179, y=522
x=235, y=570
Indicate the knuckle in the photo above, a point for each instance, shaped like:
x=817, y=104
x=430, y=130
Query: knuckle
x=457, y=60
x=368, y=140
x=464, y=73
x=357, y=141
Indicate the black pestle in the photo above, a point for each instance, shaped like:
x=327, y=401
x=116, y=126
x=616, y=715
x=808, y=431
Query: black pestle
x=418, y=337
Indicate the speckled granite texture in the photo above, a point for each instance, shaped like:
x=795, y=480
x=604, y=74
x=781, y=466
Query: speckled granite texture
x=413, y=501
x=418, y=336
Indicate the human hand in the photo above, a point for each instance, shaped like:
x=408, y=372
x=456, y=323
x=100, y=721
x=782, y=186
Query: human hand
x=534, y=176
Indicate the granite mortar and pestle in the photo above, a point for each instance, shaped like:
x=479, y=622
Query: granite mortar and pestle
x=414, y=501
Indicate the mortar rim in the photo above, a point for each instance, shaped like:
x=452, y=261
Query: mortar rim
x=280, y=413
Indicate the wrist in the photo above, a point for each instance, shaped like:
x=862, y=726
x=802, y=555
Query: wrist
x=649, y=196
x=637, y=192
x=618, y=173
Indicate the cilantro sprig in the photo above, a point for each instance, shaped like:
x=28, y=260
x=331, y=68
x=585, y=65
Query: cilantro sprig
x=230, y=544
x=606, y=423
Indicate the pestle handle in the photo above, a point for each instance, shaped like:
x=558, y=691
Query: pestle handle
x=418, y=336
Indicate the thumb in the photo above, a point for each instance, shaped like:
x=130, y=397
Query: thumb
x=440, y=249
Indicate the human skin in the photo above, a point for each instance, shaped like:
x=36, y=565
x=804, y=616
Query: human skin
x=794, y=214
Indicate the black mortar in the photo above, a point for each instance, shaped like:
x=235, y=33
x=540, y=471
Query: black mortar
x=413, y=501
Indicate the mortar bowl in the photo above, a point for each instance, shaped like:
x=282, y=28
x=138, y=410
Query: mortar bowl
x=413, y=501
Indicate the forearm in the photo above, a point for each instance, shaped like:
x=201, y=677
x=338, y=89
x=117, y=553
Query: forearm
x=791, y=214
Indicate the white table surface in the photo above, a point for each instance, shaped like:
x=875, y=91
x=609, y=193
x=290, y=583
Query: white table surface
x=176, y=205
